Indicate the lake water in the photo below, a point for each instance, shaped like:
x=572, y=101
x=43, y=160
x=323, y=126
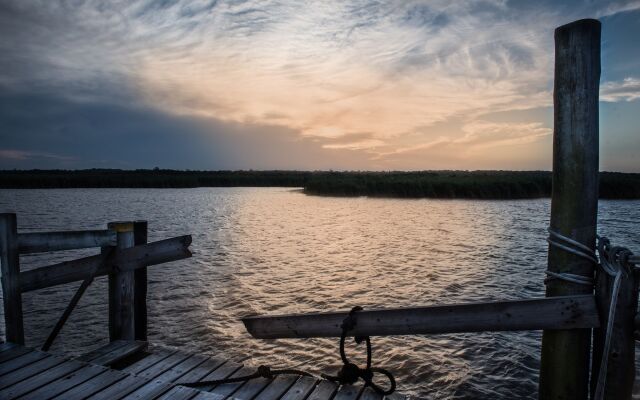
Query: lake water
x=276, y=250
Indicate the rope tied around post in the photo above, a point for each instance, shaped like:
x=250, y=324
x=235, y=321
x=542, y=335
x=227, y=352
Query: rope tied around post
x=576, y=248
x=350, y=372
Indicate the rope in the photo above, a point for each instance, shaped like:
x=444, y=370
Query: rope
x=612, y=261
x=263, y=371
x=573, y=247
x=350, y=373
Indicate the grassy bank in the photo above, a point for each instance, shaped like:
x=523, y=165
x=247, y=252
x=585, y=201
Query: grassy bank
x=432, y=184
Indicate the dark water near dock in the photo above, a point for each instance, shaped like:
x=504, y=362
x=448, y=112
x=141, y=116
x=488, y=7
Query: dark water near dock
x=274, y=250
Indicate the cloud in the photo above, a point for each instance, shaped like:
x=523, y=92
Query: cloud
x=618, y=7
x=21, y=155
x=625, y=90
x=416, y=76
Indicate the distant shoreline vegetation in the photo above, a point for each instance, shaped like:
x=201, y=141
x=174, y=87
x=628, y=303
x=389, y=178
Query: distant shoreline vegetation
x=419, y=184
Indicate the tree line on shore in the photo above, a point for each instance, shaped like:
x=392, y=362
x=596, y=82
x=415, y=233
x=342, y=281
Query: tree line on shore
x=418, y=184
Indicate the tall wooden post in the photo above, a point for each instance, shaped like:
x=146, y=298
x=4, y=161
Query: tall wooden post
x=564, y=370
x=121, y=289
x=10, y=264
x=140, y=290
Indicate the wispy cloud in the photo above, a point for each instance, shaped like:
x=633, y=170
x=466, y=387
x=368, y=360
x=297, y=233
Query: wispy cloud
x=329, y=70
x=625, y=90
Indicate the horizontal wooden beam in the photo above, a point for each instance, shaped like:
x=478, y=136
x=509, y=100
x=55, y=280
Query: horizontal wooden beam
x=567, y=312
x=55, y=241
x=128, y=259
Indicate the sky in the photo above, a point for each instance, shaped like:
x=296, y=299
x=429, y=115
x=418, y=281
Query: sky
x=307, y=85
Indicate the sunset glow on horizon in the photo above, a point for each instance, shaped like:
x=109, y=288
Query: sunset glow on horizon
x=292, y=85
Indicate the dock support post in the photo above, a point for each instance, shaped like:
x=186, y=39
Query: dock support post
x=621, y=370
x=10, y=264
x=564, y=369
x=121, y=289
x=140, y=290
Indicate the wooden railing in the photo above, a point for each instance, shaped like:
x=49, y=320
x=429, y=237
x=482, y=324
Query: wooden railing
x=125, y=256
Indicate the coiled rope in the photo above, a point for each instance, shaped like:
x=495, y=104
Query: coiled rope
x=350, y=372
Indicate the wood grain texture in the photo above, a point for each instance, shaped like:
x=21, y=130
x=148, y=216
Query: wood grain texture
x=39, y=242
x=568, y=312
x=564, y=371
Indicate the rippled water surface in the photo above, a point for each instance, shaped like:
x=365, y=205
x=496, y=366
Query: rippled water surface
x=276, y=250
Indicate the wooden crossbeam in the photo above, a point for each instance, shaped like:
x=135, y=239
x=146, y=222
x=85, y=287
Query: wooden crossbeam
x=567, y=312
x=127, y=259
x=54, y=241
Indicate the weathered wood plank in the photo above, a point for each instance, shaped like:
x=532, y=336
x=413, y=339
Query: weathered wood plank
x=102, y=350
x=10, y=271
x=21, y=361
x=568, y=312
x=226, y=389
x=121, y=287
x=179, y=393
x=161, y=382
x=112, y=357
x=251, y=388
x=348, y=392
x=564, y=368
x=121, y=388
x=140, y=283
x=29, y=370
x=208, y=396
x=620, y=372
x=148, y=361
x=64, y=383
x=324, y=391
x=7, y=346
x=369, y=394
x=55, y=241
x=223, y=372
x=92, y=386
x=301, y=389
x=40, y=379
x=13, y=353
x=129, y=259
x=277, y=387
x=202, y=370
x=163, y=365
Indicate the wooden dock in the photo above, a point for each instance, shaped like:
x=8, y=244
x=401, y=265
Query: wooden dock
x=124, y=370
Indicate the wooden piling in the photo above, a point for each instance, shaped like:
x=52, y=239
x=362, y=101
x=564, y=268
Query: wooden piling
x=564, y=370
x=10, y=264
x=621, y=371
x=121, y=288
x=140, y=289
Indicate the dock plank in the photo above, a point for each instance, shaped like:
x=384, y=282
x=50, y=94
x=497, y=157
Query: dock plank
x=64, y=383
x=301, y=389
x=163, y=365
x=202, y=370
x=324, y=391
x=370, y=394
x=182, y=368
x=277, y=387
x=21, y=361
x=30, y=370
x=222, y=372
x=226, y=389
x=12, y=353
x=120, y=388
x=147, y=361
x=38, y=380
x=180, y=393
x=92, y=386
x=348, y=392
x=251, y=388
x=110, y=358
x=102, y=350
x=4, y=346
